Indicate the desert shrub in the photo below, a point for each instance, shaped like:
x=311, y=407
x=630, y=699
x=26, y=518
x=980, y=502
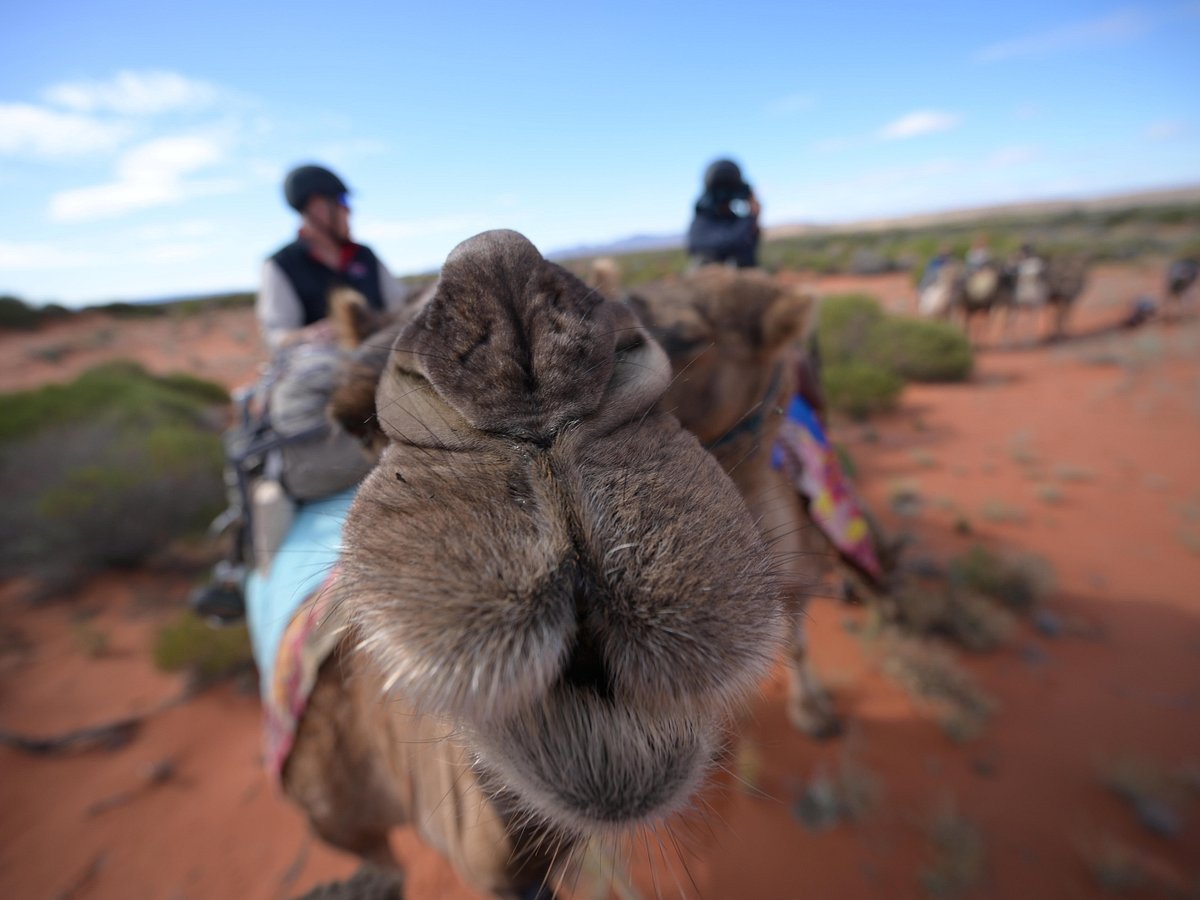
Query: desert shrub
x=120, y=391
x=124, y=310
x=854, y=328
x=958, y=848
x=860, y=389
x=960, y=614
x=18, y=315
x=206, y=653
x=868, y=355
x=930, y=673
x=105, y=471
x=197, y=305
x=917, y=350
x=844, y=326
x=1018, y=583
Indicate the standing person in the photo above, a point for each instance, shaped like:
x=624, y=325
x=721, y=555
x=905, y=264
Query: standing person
x=725, y=228
x=293, y=300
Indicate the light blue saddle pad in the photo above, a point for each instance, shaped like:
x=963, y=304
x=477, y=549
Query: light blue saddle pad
x=303, y=562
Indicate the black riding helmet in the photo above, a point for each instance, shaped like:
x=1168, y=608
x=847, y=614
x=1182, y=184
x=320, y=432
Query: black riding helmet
x=724, y=173
x=304, y=182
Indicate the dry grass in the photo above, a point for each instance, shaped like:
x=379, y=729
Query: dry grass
x=1050, y=493
x=961, y=613
x=931, y=674
x=205, y=653
x=1069, y=472
x=958, y=855
x=1020, y=448
x=848, y=792
x=904, y=497
x=1118, y=868
x=93, y=641
x=1017, y=581
x=923, y=458
x=1156, y=794
x=997, y=511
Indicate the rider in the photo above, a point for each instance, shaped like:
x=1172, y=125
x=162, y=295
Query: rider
x=725, y=225
x=292, y=309
x=296, y=280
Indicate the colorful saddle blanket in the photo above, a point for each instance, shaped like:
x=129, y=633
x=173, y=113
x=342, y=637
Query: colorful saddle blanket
x=803, y=453
x=293, y=623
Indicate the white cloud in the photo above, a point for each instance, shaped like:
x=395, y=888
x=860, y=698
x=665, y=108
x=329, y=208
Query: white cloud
x=1165, y=130
x=1116, y=28
x=924, y=121
x=33, y=130
x=44, y=255
x=833, y=144
x=163, y=231
x=169, y=158
x=150, y=174
x=107, y=200
x=133, y=94
x=1011, y=156
x=794, y=103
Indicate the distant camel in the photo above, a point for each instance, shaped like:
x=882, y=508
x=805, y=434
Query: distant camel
x=981, y=293
x=1053, y=282
x=1181, y=275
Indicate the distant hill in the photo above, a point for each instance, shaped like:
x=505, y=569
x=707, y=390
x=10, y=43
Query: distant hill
x=1023, y=209
x=638, y=243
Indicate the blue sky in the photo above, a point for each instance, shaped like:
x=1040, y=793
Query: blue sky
x=142, y=144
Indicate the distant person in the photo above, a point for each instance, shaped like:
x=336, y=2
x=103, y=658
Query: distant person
x=293, y=301
x=1031, y=283
x=304, y=456
x=935, y=290
x=978, y=256
x=933, y=268
x=1181, y=275
x=724, y=227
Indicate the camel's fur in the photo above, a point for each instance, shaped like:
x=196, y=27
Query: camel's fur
x=554, y=596
x=736, y=340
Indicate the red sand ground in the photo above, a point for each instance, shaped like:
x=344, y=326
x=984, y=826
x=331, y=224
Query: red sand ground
x=1083, y=453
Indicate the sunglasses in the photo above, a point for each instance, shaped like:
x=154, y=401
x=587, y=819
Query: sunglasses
x=343, y=200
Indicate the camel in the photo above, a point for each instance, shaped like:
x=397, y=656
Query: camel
x=938, y=298
x=550, y=597
x=1181, y=275
x=1031, y=283
x=982, y=292
x=1053, y=282
x=735, y=340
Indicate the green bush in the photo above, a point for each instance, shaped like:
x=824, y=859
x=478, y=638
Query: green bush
x=105, y=471
x=124, y=310
x=917, y=350
x=120, y=391
x=845, y=323
x=18, y=315
x=860, y=389
x=867, y=355
x=206, y=653
x=1018, y=582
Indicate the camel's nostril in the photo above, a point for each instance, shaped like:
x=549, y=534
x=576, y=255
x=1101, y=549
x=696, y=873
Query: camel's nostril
x=585, y=668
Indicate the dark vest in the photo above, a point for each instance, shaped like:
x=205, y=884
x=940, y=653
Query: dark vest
x=313, y=280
